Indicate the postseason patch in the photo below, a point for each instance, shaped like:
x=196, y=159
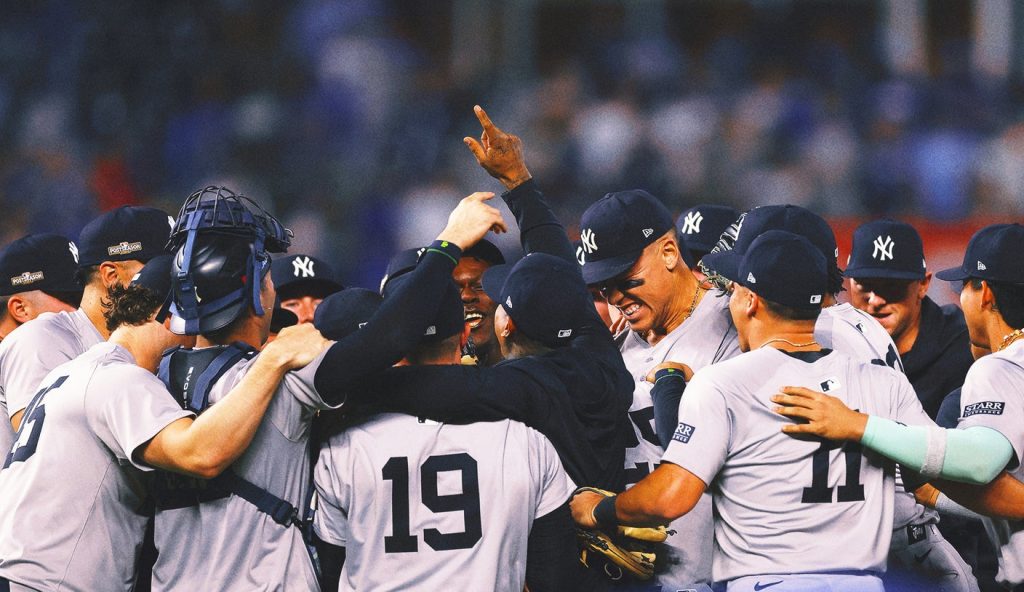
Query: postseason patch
x=984, y=408
x=683, y=432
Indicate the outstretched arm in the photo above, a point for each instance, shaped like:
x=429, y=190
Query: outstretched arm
x=1003, y=497
x=204, y=447
x=399, y=323
x=974, y=455
x=659, y=498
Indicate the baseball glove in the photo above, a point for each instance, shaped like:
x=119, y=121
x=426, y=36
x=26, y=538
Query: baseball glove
x=629, y=550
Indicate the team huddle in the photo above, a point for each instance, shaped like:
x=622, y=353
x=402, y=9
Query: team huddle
x=678, y=405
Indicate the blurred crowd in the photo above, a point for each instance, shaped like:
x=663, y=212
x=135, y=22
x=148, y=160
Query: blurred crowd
x=340, y=113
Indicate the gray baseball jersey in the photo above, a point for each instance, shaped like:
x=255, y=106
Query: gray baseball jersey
x=72, y=515
x=993, y=397
x=707, y=337
x=227, y=543
x=857, y=334
x=429, y=506
x=783, y=504
x=29, y=353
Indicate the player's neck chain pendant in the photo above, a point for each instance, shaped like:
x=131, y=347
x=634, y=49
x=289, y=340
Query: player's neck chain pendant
x=1010, y=338
x=784, y=340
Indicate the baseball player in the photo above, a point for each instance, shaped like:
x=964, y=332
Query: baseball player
x=222, y=290
x=988, y=437
x=426, y=505
x=791, y=513
x=698, y=230
x=478, y=306
x=632, y=256
x=917, y=545
x=302, y=282
x=889, y=280
x=37, y=275
x=97, y=425
x=111, y=250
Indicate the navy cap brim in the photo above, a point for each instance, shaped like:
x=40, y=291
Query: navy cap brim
x=493, y=280
x=595, y=272
x=316, y=287
x=725, y=264
x=882, y=273
x=953, y=274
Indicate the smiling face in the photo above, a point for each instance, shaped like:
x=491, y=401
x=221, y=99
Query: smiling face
x=895, y=303
x=646, y=294
x=477, y=305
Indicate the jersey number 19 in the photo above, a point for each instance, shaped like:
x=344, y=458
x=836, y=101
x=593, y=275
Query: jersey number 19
x=401, y=540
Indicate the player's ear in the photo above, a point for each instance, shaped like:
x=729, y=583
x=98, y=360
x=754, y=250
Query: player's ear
x=988, y=298
x=108, y=274
x=509, y=327
x=19, y=308
x=668, y=250
x=753, y=302
x=922, y=290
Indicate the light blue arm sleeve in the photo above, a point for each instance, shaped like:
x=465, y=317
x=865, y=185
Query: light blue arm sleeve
x=975, y=455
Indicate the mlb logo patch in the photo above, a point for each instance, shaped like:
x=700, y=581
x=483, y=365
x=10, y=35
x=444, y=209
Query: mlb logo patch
x=984, y=408
x=683, y=433
x=829, y=384
x=564, y=332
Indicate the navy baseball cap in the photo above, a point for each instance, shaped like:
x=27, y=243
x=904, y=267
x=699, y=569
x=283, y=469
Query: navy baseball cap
x=403, y=262
x=886, y=249
x=779, y=266
x=486, y=251
x=450, y=318
x=45, y=262
x=129, y=233
x=543, y=294
x=615, y=230
x=700, y=227
x=156, y=275
x=794, y=219
x=303, y=275
x=345, y=312
x=994, y=254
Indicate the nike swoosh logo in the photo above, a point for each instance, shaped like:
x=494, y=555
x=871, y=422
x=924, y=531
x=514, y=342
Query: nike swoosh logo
x=920, y=558
x=759, y=586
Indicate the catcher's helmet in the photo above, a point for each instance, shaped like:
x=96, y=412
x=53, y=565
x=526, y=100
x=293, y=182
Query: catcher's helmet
x=221, y=243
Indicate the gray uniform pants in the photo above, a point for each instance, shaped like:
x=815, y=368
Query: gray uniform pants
x=921, y=558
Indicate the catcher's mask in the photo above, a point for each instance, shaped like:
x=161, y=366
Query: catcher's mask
x=221, y=243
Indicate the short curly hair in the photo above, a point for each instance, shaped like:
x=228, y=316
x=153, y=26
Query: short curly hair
x=130, y=305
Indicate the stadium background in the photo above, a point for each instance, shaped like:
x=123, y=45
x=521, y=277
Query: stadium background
x=346, y=116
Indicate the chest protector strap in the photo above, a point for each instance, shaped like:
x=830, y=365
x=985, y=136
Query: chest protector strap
x=190, y=376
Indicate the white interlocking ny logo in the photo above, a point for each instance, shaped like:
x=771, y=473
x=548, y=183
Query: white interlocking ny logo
x=691, y=223
x=589, y=240
x=74, y=250
x=581, y=256
x=883, y=248
x=303, y=265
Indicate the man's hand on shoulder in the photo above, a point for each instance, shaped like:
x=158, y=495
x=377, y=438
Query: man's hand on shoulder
x=499, y=153
x=295, y=347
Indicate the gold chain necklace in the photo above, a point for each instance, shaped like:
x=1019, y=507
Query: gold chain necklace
x=783, y=340
x=693, y=303
x=1010, y=338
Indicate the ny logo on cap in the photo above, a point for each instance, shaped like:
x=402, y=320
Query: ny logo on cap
x=883, y=248
x=581, y=256
x=751, y=278
x=74, y=250
x=982, y=266
x=588, y=239
x=303, y=265
x=691, y=223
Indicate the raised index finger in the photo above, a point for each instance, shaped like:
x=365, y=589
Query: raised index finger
x=485, y=121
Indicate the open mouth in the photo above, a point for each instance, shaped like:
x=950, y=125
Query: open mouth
x=473, y=319
x=630, y=310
